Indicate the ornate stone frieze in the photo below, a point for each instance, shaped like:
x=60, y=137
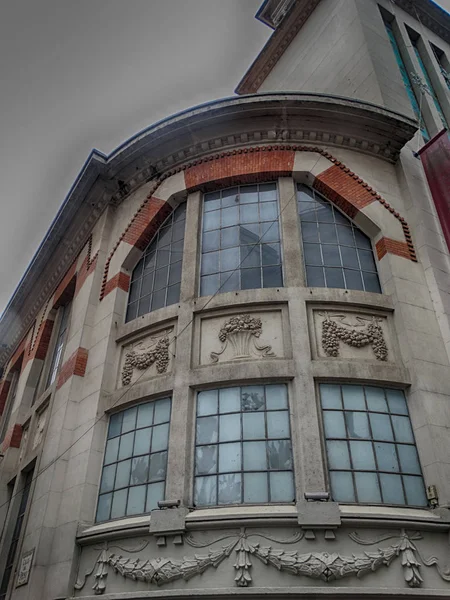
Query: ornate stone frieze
x=327, y=567
x=143, y=355
x=242, y=332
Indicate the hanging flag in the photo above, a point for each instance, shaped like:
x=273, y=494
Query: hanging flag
x=435, y=157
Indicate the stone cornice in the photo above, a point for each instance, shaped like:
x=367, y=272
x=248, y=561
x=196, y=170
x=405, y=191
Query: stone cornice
x=220, y=125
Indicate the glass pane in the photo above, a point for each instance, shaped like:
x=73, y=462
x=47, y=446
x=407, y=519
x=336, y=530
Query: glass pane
x=249, y=213
x=324, y=213
x=391, y=487
x=249, y=234
x=212, y=201
x=267, y=192
x=161, y=278
x=206, y=460
x=353, y=280
x=334, y=278
x=150, y=261
x=207, y=430
x=139, y=470
x=307, y=211
x=357, y=424
x=381, y=427
x=276, y=396
x=229, y=400
x=345, y=235
x=338, y=456
x=327, y=233
x=115, y=425
x=142, y=441
x=415, y=491
x=409, y=461
x=367, y=487
x=205, y=493
x=160, y=437
x=159, y=299
x=162, y=410
x=230, y=457
x=253, y=425
x=123, y=474
x=362, y=241
x=137, y=272
x=282, y=487
x=366, y=260
x=136, y=500
x=229, y=427
x=269, y=211
x=310, y=232
x=353, y=397
x=342, y=486
x=129, y=419
x=250, y=256
x=402, y=429
x=362, y=456
x=331, y=256
x=271, y=254
x=397, y=402
x=207, y=403
x=108, y=475
x=229, y=237
x=315, y=277
x=229, y=281
x=375, y=399
x=147, y=284
x=280, y=454
x=210, y=263
x=119, y=503
x=371, y=282
x=272, y=277
x=230, y=197
x=255, y=456
x=158, y=465
x=173, y=294
x=163, y=257
x=126, y=445
x=145, y=414
x=250, y=279
x=230, y=488
x=330, y=395
x=131, y=311
x=229, y=259
x=104, y=507
x=256, y=488
x=349, y=257
x=155, y=493
x=278, y=424
x=210, y=241
x=175, y=273
x=386, y=457
x=144, y=306
x=252, y=397
x=211, y=220
x=334, y=424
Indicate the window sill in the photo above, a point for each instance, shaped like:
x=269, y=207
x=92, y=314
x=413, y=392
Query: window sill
x=352, y=513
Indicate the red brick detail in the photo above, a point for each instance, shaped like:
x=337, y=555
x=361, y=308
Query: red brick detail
x=387, y=245
x=121, y=280
x=241, y=167
x=65, y=290
x=146, y=222
x=42, y=342
x=12, y=438
x=87, y=267
x=16, y=360
x=4, y=390
x=75, y=365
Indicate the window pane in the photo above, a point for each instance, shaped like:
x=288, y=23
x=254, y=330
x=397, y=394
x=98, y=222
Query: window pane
x=342, y=486
x=229, y=237
x=252, y=398
x=155, y=493
x=126, y=445
x=409, y=461
x=391, y=488
x=145, y=414
x=229, y=427
x=209, y=285
x=112, y=448
x=313, y=256
x=338, y=455
x=229, y=399
x=353, y=280
x=207, y=403
x=119, y=503
x=207, y=430
x=331, y=255
x=376, y=399
x=253, y=425
x=251, y=279
x=397, y=402
x=160, y=437
x=330, y=395
x=402, y=429
x=276, y=396
x=256, y=488
x=367, y=487
x=282, y=487
x=230, y=457
x=205, y=491
x=371, y=282
x=381, y=427
x=206, y=460
x=362, y=456
x=255, y=456
x=230, y=488
x=357, y=425
x=353, y=397
x=210, y=241
x=334, y=424
x=271, y=254
x=278, y=424
x=415, y=490
x=142, y=441
x=136, y=500
x=162, y=411
x=279, y=454
x=386, y=457
x=315, y=277
x=115, y=425
x=108, y=475
x=272, y=277
x=139, y=470
x=158, y=466
x=349, y=257
x=104, y=507
x=123, y=474
x=334, y=278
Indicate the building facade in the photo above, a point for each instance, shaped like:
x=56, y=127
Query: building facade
x=226, y=371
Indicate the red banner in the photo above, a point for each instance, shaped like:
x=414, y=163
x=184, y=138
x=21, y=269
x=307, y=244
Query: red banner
x=435, y=156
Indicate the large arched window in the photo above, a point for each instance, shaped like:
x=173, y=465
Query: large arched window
x=156, y=279
x=336, y=253
x=241, y=239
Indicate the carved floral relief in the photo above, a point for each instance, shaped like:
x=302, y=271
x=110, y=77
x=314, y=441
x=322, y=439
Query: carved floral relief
x=153, y=351
x=39, y=429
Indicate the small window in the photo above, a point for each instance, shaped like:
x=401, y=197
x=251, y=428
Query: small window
x=134, y=468
x=241, y=239
x=9, y=405
x=243, y=448
x=59, y=346
x=371, y=452
x=336, y=253
x=156, y=279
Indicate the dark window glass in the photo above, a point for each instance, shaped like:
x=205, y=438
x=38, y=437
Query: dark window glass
x=57, y=352
x=156, y=279
x=241, y=239
x=336, y=253
x=243, y=448
x=134, y=467
x=371, y=453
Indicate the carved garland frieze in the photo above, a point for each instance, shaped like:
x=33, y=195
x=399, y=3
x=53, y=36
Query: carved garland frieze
x=325, y=566
x=241, y=332
x=366, y=332
x=156, y=351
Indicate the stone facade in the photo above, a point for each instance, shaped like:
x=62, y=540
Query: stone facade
x=358, y=158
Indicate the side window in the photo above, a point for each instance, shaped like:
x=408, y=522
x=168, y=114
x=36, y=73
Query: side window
x=156, y=279
x=9, y=405
x=59, y=346
x=371, y=452
x=134, y=468
x=336, y=253
x=241, y=239
x=243, y=448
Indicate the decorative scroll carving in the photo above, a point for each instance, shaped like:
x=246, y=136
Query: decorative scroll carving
x=357, y=336
x=242, y=332
x=155, y=351
x=316, y=565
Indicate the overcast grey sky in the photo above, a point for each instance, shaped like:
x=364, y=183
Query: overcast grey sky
x=81, y=74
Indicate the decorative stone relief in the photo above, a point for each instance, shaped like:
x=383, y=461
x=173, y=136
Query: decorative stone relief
x=325, y=566
x=241, y=336
x=40, y=426
x=152, y=351
x=23, y=444
x=351, y=335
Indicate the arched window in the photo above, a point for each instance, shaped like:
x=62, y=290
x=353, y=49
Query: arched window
x=156, y=279
x=241, y=239
x=336, y=253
